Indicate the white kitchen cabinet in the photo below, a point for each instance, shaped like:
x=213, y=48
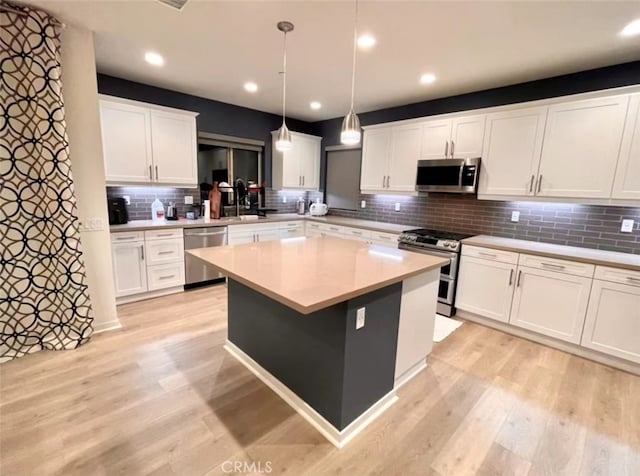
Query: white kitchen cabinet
x=376, y=148
x=126, y=142
x=147, y=144
x=175, y=148
x=485, y=287
x=164, y=251
x=460, y=137
x=467, y=136
x=511, y=154
x=241, y=234
x=550, y=303
x=436, y=135
x=627, y=180
x=298, y=168
x=167, y=275
x=581, y=146
x=129, y=268
x=241, y=238
x=292, y=229
x=403, y=160
x=613, y=320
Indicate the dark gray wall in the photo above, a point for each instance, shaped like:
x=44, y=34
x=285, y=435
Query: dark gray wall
x=338, y=371
x=215, y=116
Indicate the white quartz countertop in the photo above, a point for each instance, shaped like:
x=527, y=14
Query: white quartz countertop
x=141, y=225
x=572, y=253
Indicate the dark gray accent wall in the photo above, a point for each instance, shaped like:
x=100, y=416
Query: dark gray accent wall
x=215, y=116
x=338, y=371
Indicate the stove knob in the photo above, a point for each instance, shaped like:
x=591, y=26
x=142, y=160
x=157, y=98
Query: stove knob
x=447, y=243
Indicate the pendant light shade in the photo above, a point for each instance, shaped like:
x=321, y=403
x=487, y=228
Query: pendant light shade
x=350, y=131
x=283, y=138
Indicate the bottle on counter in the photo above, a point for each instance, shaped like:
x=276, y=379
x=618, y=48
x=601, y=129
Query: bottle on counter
x=157, y=211
x=300, y=206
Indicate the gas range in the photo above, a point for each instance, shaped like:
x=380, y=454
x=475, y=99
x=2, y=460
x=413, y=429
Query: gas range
x=440, y=243
x=435, y=239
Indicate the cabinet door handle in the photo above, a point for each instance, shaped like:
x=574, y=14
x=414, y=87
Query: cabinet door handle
x=533, y=177
x=165, y=252
x=488, y=255
x=303, y=177
x=167, y=276
x=446, y=149
x=518, y=280
x=150, y=173
x=510, y=277
x=453, y=144
x=384, y=180
x=540, y=183
x=141, y=252
x=157, y=175
x=553, y=265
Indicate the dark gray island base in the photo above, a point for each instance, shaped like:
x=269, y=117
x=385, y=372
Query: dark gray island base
x=337, y=370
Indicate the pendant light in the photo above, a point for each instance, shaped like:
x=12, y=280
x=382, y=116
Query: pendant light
x=283, y=138
x=350, y=131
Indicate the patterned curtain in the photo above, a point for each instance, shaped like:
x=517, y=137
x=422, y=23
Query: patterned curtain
x=44, y=302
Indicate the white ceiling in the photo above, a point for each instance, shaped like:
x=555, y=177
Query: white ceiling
x=212, y=47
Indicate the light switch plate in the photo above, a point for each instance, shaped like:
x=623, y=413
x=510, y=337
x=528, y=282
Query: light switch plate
x=188, y=200
x=627, y=226
x=515, y=216
x=397, y=208
x=360, y=318
x=127, y=199
x=363, y=204
x=284, y=199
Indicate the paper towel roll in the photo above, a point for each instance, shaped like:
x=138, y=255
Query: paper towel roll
x=207, y=211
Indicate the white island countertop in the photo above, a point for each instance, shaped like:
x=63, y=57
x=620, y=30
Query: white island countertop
x=309, y=274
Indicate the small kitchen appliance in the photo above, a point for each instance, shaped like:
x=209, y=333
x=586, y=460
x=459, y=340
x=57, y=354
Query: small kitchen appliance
x=117, y=208
x=318, y=209
x=172, y=211
x=448, y=175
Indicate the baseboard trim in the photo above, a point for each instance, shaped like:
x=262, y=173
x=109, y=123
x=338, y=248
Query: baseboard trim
x=410, y=374
x=339, y=438
x=149, y=295
x=551, y=342
x=107, y=326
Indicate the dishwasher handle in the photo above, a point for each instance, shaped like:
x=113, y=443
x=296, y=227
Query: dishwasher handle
x=213, y=233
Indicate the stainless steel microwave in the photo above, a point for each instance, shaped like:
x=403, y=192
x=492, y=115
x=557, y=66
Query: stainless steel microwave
x=448, y=175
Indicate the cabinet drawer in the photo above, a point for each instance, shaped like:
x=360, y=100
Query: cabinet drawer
x=127, y=236
x=163, y=234
x=558, y=265
x=162, y=276
x=164, y=251
x=384, y=237
x=313, y=226
x=357, y=233
x=617, y=275
x=291, y=224
x=252, y=228
x=490, y=254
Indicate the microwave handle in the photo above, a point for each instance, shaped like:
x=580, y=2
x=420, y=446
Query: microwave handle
x=460, y=176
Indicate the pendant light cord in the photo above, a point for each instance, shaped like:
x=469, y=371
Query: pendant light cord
x=355, y=50
x=284, y=77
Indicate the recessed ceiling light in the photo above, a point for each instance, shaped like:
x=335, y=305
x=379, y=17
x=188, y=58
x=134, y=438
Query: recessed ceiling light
x=427, y=78
x=631, y=29
x=250, y=87
x=366, y=41
x=153, y=58
x=315, y=105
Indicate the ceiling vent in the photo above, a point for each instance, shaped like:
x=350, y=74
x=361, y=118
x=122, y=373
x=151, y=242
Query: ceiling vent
x=175, y=4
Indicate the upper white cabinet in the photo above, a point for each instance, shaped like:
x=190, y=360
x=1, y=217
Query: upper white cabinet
x=376, y=147
x=174, y=145
x=143, y=143
x=581, y=146
x=390, y=159
x=298, y=168
x=458, y=137
x=511, y=154
x=627, y=181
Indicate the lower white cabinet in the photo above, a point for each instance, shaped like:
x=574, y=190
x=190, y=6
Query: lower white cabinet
x=241, y=234
x=613, y=320
x=129, y=267
x=485, y=287
x=292, y=229
x=164, y=276
x=551, y=303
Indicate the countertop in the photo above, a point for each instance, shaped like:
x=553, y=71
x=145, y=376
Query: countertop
x=141, y=225
x=308, y=274
x=573, y=253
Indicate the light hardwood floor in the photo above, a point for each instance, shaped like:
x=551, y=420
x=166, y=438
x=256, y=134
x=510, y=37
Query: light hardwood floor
x=162, y=397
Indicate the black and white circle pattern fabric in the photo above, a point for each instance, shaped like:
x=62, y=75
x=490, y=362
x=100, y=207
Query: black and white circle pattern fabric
x=44, y=301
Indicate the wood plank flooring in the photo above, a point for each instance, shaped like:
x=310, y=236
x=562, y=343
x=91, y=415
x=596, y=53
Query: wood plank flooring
x=162, y=397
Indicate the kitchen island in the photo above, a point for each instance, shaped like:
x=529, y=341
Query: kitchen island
x=332, y=325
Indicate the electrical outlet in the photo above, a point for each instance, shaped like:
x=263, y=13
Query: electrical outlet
x=397, y=207
x=284, y=199
x=127, y=199
x=360, y=318
x=363, y=204
x=188, y=200
x=515, y=217
x=627, y=226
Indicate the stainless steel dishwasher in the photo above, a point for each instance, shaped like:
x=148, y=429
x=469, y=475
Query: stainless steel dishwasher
x=197, y=271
